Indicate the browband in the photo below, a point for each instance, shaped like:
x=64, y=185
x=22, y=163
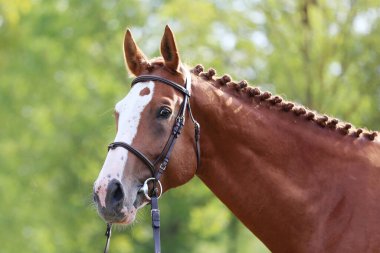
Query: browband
x=176, y=86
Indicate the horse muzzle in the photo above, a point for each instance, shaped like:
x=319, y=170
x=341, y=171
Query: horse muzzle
x=110, y=200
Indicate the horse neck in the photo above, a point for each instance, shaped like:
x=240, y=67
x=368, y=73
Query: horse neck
x=272, y=169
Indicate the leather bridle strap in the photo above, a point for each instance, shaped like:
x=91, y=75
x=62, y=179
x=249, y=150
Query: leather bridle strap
x=165, y=154
x=176, y=86
x=137, y=153
x=155, y=213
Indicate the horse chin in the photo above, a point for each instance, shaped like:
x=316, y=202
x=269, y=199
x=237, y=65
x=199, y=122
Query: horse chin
x=129, y=216
x=125, y=217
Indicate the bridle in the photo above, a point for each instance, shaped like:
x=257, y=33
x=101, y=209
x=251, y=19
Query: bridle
x=163, y=158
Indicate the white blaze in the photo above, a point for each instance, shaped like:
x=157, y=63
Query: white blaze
x=129, y=110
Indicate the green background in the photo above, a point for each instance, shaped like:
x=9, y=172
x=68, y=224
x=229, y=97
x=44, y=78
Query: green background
x=62, y=71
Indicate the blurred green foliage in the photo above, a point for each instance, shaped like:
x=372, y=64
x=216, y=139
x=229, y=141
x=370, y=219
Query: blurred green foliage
x=62, y=71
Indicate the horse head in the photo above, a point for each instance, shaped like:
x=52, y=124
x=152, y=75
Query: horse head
x=144, y=121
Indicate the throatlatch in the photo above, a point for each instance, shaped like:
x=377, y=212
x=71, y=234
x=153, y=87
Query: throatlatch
x=163, y=158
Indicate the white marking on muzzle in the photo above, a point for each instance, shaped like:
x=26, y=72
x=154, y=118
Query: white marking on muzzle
x=129, y=110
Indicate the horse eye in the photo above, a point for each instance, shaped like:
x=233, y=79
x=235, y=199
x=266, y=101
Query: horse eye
x=164, y=112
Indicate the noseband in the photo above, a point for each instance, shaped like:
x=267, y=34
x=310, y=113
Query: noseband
x=163, y=158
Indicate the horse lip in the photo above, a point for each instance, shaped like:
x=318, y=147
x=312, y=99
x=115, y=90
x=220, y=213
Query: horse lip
x=112, y=215
x=125, y=216
x=115, y=218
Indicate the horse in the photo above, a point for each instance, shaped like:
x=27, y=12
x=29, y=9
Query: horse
x=300, y=181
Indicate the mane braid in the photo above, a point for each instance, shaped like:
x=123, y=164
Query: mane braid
x=243, y=87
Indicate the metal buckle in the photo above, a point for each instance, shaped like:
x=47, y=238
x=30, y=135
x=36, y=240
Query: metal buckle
x=163, y=166
x=145, y=188
x=180, y=120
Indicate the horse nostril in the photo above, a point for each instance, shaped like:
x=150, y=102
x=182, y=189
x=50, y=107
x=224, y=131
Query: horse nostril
x=115, y=194
x=118, y=194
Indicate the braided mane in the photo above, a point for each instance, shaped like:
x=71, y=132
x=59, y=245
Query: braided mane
x=264, y=96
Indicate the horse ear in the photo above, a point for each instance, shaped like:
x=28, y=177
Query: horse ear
x=169, y=50
x=134, y=57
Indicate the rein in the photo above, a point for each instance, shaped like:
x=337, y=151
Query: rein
x=163, y=158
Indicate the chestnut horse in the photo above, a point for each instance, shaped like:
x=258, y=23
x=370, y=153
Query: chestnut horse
x=300, y=181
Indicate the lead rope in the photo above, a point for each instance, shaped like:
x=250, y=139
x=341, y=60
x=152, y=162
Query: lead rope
x=155, y=212
x=108, y=235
